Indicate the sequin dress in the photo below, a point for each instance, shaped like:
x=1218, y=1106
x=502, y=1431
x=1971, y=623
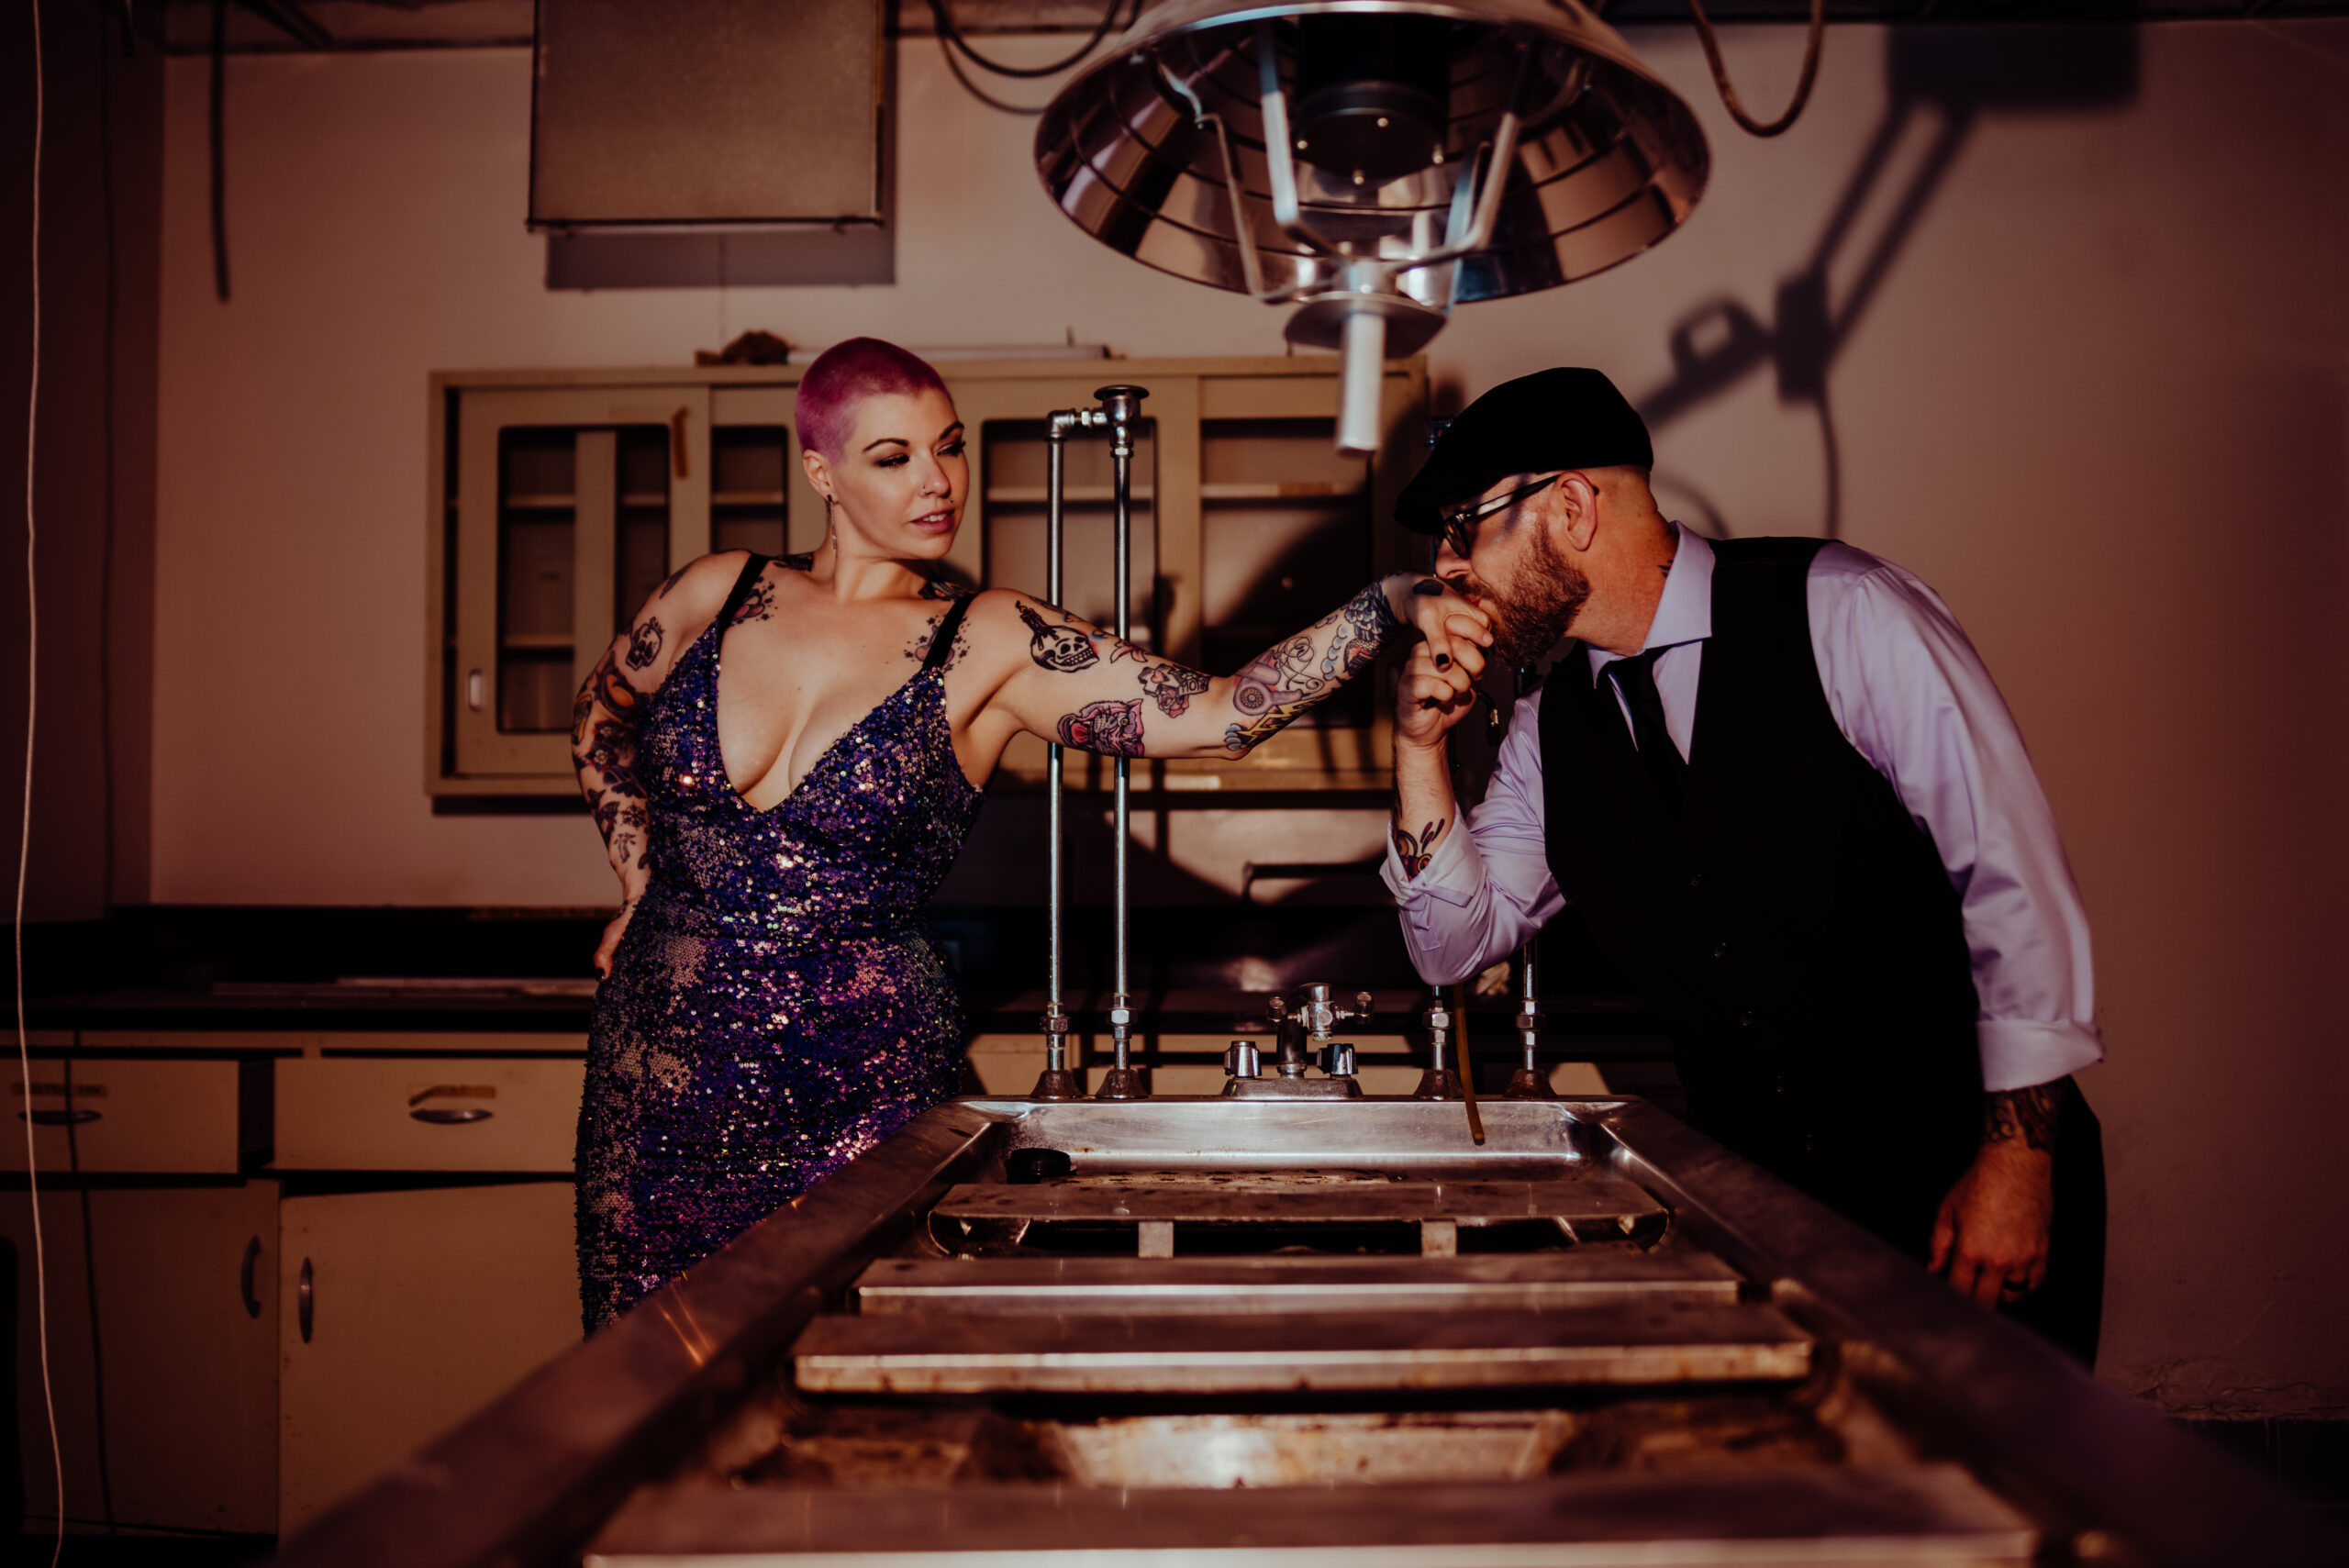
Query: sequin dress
x=774, y=1010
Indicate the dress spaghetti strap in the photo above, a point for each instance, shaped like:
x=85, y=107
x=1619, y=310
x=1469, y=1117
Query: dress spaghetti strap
x=942, y=642
x=742, y=587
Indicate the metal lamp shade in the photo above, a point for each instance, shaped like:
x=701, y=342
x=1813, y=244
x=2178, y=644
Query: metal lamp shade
x=1607, y=160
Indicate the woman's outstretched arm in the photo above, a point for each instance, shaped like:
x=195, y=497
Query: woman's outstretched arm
x=1082, y=687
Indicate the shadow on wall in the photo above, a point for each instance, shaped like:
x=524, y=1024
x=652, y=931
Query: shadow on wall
x=1946, y=78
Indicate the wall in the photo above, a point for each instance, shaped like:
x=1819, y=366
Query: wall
x=101, y=167
x=2051, y=315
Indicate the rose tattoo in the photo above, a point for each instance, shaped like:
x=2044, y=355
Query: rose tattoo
x=1171, y=687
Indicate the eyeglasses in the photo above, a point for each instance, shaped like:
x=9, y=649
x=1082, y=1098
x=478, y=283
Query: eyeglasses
x=1459, y=528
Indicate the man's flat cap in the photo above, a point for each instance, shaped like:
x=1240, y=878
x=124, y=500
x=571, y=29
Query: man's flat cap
x=1537, y=424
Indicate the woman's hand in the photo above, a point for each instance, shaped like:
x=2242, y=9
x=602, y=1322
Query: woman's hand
x=611, y=942
x=1451, y=626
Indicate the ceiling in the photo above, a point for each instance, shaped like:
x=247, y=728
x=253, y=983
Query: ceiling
x=270, y=25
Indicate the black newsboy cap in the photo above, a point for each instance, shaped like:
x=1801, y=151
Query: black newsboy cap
x=1569, y=417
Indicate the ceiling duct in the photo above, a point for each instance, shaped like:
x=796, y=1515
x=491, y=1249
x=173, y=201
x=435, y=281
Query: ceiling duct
x=1373, y=162
x=707, y=112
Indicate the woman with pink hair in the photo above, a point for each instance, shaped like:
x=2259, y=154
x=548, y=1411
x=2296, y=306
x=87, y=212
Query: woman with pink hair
x=770, y=1007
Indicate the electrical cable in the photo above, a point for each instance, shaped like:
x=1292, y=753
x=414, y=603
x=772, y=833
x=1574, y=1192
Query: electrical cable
x=25, y=836
x=1729, y=94
x=978, y=91
x=953, y=35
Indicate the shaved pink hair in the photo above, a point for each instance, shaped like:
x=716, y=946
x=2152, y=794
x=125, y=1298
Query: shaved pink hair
x=846, y=374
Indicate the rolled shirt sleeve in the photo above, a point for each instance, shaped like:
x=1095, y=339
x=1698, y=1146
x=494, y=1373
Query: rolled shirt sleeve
x=1488, y=889
x=1914, y=698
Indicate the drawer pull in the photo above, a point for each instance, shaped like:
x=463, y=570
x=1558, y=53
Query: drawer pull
x=245, y=1278
x=60, y=1118
x=450, y=1116
x=305, y=1295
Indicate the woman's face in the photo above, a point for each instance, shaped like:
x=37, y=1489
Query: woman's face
x=901, y=477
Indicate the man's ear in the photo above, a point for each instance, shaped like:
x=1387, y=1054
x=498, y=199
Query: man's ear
x=1573, y=512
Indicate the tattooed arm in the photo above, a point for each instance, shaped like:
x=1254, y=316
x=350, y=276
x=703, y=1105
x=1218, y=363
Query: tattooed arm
x=1082, y=687
x=1991, y=1234
x=605, y=715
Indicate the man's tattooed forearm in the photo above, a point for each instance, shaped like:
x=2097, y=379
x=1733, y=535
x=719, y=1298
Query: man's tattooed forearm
x=1172, y=686
x=2028, y=1114
x=1292, y=675
x=1112, y=728
x=1416, y=852
x=1062, y=649
x=644, y=643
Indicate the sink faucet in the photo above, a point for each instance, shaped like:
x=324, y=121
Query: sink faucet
x=1302, y=1022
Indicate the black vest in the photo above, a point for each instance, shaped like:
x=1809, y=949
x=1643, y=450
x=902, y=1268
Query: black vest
x=1794, y=927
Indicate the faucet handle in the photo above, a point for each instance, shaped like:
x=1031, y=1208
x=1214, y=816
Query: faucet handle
x=1242, y=1059
x=1365, y=1004
x=1336, y=1060
x=1277, y=1007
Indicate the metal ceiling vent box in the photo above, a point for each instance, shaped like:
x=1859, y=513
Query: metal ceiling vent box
x=722, y=112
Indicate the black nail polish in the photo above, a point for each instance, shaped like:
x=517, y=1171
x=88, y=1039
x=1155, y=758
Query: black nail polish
x=1443, y=661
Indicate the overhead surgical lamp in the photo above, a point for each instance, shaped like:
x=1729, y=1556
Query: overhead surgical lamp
x=1373, y=162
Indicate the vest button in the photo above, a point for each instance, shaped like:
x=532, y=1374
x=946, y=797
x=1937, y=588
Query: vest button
x=1720, y=950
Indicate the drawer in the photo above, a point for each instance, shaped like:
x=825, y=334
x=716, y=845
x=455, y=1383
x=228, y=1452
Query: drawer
x=427, y=1113
x=177, y=1117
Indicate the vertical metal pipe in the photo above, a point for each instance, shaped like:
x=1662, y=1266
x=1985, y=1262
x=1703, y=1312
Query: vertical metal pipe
x=1057, y=1083
x=1122, y=405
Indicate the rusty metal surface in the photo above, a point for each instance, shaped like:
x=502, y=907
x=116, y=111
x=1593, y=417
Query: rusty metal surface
x=1615, y=1203
x=1288, y=1282
x=1780, y=1517
x=1615, y=1343
x=683, y=1419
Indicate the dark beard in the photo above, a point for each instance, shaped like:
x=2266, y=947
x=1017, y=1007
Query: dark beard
x=1532, y=616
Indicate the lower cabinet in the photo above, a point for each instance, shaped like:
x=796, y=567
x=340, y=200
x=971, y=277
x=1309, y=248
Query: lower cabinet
x=241, y=1355
x=163, y=1354
x=401, y=1313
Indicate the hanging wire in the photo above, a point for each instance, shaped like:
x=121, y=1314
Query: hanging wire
x=1720, y=71
x=979, y=93
x=950, y=34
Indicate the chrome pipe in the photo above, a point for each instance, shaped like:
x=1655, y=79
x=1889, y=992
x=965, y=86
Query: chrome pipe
x=1057, y=1081
x=1122, y=405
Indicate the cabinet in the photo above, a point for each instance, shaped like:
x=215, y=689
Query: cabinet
x=237, y=1339
x=162, y=1333
x=561, y=499
x=403, y=1312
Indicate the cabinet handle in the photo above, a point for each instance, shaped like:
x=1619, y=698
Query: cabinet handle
x=475, y=690
x=245, y=1278
x=305, y=1295
x=60, y=1118
x=453, y=1116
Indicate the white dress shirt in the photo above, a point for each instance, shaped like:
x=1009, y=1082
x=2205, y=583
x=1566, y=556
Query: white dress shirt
x=1911, y=695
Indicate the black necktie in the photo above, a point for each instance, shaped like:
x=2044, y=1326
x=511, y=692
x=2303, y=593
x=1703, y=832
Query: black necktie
x=1635, y=678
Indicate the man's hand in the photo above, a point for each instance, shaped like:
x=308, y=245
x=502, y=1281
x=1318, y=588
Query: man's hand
x=1991, y=1234
x=1432, y=698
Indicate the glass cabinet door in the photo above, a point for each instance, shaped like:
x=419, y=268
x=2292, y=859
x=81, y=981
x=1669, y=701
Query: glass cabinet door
x=571, y=507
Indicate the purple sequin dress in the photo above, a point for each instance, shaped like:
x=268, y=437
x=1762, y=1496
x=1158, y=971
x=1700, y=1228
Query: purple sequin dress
x=775, y=1009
